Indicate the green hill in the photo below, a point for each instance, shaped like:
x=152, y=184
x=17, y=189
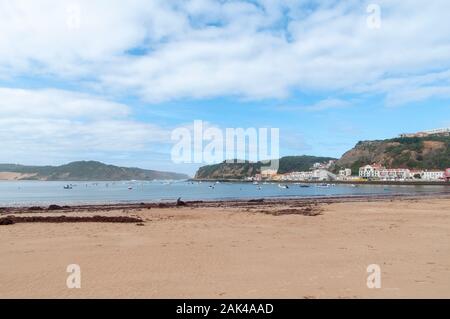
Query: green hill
x=432, y=152
x=87, y=171
x=241, y=170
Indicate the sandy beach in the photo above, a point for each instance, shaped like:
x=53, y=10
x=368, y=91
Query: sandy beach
x=283, y=249
x=11, y=176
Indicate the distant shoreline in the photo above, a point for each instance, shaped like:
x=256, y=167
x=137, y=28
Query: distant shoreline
x=225, y=203
x=390, y=183
x=238, y=181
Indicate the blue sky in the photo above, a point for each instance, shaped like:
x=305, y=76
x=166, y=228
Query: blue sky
x=109, y=80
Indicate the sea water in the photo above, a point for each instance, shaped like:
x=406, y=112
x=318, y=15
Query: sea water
x=30, y=193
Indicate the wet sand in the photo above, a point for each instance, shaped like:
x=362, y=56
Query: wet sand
x=277, y=249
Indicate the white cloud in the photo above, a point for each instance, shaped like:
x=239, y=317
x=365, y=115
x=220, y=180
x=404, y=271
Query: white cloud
x=40, y=35
x=412, y=88
x=51, y=103
x=45, y=124
x=66, y=135
x=205, y=48
x=325, y=104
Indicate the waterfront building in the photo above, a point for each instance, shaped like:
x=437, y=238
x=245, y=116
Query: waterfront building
x=345, y=172
x=323, y=175
x=370, y=171
x=394, y=174
x=433, y=175
x=315, y=175
x=297, y=176
x=376, y=171
x=268, y=173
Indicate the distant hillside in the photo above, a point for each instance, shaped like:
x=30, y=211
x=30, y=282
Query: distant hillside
x=83, y=171
x=432, y=152
x=300, y=163
x=241, y=170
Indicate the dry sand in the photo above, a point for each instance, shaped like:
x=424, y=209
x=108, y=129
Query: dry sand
x=236, y=252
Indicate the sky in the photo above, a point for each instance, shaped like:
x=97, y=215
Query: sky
x=110, y=80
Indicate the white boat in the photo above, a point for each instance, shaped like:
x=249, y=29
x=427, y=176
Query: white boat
x=283, y=186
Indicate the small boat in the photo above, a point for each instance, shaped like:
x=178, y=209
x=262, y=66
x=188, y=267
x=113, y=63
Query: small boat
x=68, y=187
x=255, y=183
x=323, y=185
x=283, y=186
x=305, y=185
x=130, y=188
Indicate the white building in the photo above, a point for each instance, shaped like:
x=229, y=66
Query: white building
x=316, y=175
x=370, y=171
x=433, y=175
x=376, y=171
x=323, y=175
x=394, y=174
x=439, y=131
x=297, y=176
x=325, y=165
x=399, y=174
x=303, y=176
x=268, y=173
x=345, y=172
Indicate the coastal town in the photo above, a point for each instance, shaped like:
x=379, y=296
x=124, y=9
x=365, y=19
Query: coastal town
x=327, y=171
x=320, y=172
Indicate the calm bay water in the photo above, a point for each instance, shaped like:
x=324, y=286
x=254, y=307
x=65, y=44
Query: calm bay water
x=27, y=193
